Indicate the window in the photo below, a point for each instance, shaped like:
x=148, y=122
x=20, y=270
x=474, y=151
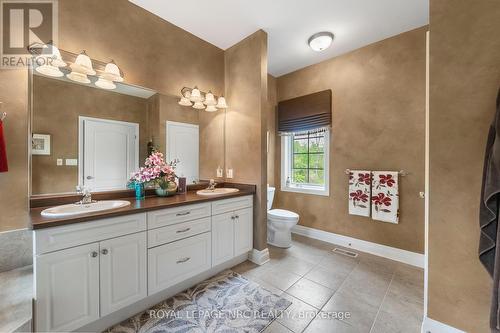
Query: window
x=304, y=160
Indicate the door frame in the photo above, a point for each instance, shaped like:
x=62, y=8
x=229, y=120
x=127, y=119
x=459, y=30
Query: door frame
x=169, y=123
x=81, y=141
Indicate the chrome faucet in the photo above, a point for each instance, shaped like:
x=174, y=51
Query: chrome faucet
x=211, y=185
x=87, y=195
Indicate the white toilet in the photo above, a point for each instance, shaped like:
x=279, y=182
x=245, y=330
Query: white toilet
x=279, y=223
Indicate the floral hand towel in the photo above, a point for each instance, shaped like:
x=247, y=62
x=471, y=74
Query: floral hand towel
x=385, y=196
x=359, y=192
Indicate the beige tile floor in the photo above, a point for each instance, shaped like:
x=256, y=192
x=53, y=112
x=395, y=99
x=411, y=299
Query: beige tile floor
x=380, y=295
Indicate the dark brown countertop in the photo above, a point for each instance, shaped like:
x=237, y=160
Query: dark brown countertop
x=136, y=206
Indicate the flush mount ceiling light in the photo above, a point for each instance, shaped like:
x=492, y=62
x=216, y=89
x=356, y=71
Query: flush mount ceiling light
x=320, y=41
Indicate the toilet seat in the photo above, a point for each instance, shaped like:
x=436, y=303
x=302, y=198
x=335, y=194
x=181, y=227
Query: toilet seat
x=282, y=215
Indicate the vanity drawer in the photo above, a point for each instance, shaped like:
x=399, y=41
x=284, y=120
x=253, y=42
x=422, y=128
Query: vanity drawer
x=178, y=231
x=58, y=238
x=169, y=216
x=172, y=263
x=229, y=205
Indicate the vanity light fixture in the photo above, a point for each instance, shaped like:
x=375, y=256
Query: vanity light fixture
x=49, y=61
x=320, y=41
x=221, y=103
x=185, y=99
x=199, y=105
x=209, y=99
x=199, y=99
x=196, y=95
x=81, y=68
x=112, y=72
x=105, y=84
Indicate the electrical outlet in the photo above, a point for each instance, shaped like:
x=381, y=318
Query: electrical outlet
x=229, y=173
x=71, y=162
x=59, y=161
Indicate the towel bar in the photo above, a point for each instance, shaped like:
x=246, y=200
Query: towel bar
x=402, y=173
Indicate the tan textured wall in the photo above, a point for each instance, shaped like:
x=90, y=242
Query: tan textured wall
x=465, y=78
x=56, y=108
x=378, y=124
x=14, y=184
x=246, y=123
x=272, y=101
x=152, y=52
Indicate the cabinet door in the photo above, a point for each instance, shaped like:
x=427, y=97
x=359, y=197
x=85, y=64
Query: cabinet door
x=222, y=238
x=243, y=231
x=123, y=271
x=67, y=288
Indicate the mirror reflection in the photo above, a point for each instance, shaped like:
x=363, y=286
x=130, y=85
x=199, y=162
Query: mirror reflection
x=86, y=136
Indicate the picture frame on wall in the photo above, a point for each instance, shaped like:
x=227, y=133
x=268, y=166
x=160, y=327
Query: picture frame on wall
x=40, y=144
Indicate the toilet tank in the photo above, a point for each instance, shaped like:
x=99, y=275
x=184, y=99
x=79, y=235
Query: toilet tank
x=270, y=197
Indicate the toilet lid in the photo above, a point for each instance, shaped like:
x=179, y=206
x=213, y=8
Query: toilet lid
x=282, y=214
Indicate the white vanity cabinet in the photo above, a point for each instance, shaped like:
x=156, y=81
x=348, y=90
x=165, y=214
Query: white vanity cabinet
x=232, y=228
x=77, y=284
x=86, y=271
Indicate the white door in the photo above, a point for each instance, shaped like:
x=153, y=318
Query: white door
x=183, y=144
x=243, y=231
x=68, y=297
x=109, y=153
x=222, y=238
x=123, y=271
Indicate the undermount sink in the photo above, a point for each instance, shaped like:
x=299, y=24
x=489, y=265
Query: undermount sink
x=217, y=191
x=77, y=209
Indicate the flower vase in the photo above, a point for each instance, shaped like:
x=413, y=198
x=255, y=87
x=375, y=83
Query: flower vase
x=139, y=191
x=166, y=192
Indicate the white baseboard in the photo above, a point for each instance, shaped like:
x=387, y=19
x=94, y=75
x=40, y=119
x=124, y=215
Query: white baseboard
x=259, y=257
x=407, y=257
x=433, y=326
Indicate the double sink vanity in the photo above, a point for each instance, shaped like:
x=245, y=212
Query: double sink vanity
x=95, y=269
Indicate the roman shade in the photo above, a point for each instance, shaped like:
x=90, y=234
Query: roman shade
x=309, y=113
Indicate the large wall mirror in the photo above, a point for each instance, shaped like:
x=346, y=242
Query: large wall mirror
x=85, y=135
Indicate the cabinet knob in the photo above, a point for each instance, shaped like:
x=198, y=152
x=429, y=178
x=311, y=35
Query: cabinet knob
x=237, y=216
x=94, y=254
x=104, y=251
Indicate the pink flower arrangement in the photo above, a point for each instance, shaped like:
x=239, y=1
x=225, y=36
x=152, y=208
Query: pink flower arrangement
x=155, y=171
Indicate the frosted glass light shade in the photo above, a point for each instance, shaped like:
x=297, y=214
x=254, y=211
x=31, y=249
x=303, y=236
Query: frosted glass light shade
x=196, y=95
x=50, y=56
x=211, y=108
x=210, y=99
x=199, y=105
x=320, y=41
x=105, y=84
x=185, y=101
x=112, y=73
x=221, y=103
x=78, y=77
x=49, y=70
x=83, y=64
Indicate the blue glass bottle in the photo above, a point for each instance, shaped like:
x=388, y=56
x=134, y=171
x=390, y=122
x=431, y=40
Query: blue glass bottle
x=139, y=191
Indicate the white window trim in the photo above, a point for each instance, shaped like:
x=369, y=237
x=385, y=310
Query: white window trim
x=305, y=189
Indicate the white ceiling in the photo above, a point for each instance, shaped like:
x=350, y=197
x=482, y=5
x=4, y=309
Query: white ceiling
x=289, y=23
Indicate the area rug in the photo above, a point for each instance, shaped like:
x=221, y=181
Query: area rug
x=225, y=303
